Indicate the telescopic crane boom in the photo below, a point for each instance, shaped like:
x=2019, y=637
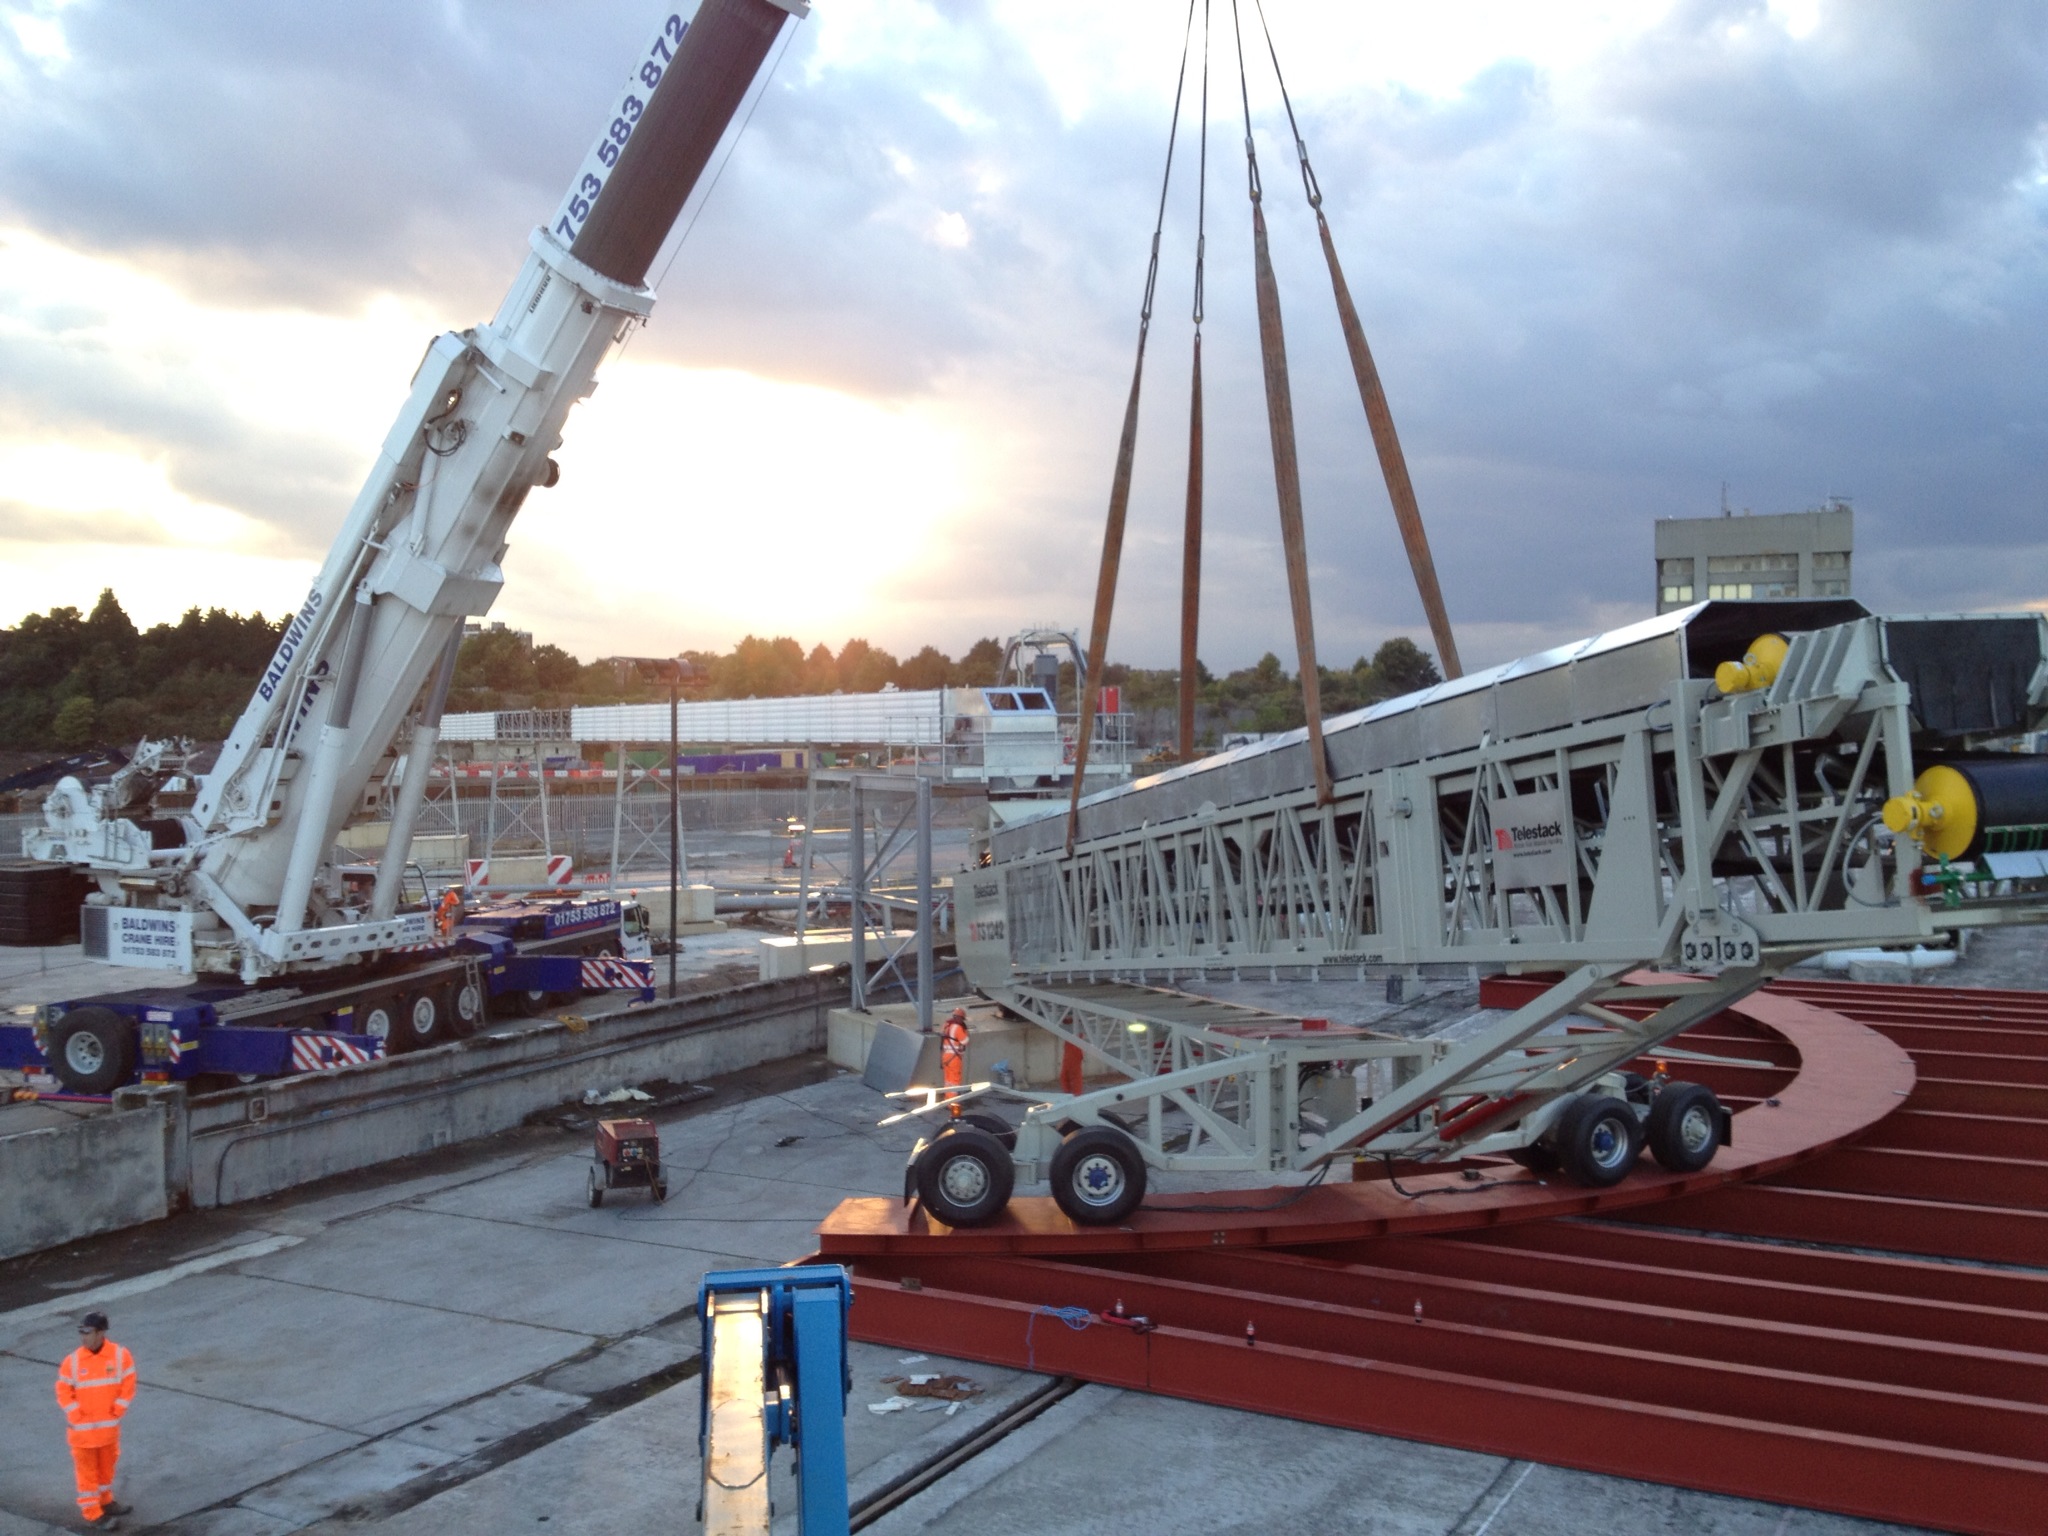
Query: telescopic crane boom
x=245, y=881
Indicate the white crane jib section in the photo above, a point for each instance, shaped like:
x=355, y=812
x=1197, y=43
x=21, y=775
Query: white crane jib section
x=420, y=549
x=418, y=554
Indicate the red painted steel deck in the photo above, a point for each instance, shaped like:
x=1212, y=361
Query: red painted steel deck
x=1875, y=1384
x=1848, y=1079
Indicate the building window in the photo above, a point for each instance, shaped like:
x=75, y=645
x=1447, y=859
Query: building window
x=1682, y=593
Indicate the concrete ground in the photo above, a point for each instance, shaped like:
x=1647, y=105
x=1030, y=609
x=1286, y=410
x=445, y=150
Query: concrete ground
x=460, y=1343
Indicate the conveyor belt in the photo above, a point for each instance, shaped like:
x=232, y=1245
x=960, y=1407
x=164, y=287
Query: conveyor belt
x=1894, y=1385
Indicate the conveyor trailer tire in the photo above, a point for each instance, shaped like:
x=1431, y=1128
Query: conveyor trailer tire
x=1598, y=1139
x=996, y=1126
x=965, y=1176
x=92, y=1050
x=1686, y=1127
x=1098, y=1176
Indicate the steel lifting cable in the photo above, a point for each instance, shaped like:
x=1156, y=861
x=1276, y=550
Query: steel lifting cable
x=1120, y=482
x=1191, y=549
x=1393, y=463
x=1286, y=465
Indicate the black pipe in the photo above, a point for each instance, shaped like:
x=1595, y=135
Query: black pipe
x=686, y=115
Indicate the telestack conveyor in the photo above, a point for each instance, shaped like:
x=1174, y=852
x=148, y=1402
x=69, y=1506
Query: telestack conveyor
x=1715, y=793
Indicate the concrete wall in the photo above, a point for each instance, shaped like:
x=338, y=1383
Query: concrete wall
x=257, y=1140
x=160, y=1151
x=61, y=1183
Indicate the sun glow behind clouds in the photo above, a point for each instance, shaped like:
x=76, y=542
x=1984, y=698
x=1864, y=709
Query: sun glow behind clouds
x=700, y=505
x=695, y=504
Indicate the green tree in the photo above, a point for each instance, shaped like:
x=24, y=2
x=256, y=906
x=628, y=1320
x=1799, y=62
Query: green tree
x=929, y=668
x=73, y=726
x=865, y=668
x=1401, y=666
x=977, y=669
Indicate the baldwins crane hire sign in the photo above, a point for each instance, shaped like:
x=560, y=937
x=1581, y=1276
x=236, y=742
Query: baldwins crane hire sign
x=1529, y=846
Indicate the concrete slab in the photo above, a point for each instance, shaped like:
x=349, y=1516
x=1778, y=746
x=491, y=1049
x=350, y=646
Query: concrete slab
x=21, y=1525
x=358, y=1362
x=518, y=1273
x=640, y=1464
x=234, y=1521
x=179, y=1451
x=626, y=1473
x=341, y=1482
x=462, y=1431
x=627, y=1361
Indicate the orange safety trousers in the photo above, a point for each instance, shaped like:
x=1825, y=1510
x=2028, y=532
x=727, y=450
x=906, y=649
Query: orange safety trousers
x=94, y=1388
x=94, y=1465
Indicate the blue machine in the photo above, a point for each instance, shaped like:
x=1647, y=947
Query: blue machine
x=775, y=1373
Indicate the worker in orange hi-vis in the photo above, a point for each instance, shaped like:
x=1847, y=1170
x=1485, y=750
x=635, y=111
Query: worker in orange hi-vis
x=95, y=1385
x=953, y=1048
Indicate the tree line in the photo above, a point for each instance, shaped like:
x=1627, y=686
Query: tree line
x=69, y=679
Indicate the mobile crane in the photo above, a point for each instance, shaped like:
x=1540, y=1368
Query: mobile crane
x=245, y=889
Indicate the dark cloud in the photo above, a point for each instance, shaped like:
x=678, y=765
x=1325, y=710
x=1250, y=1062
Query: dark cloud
x=1799, y=266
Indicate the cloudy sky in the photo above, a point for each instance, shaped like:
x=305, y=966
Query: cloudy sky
x=1611, y=256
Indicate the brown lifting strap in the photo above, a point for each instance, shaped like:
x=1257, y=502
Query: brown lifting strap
x=1191, y=547
x=1393, y=463
x=1286, y=467
x=1120, y=483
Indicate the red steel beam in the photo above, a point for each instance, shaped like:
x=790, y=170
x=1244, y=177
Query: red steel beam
x=1993, y=1290
x=1674, y=1376
x=1915, y=1175
x=1927, y=1130
x=1869, y=1475
x=1666, y=1276
x=1961, y=1039
x=1974, y=1096
x=1983, y=1233
x=1390, y=1280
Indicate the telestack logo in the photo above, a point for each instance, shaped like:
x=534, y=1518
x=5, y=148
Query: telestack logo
x=1529, y=845
x=1538, y=837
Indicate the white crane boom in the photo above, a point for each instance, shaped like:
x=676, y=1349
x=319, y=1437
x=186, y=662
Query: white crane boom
x=249, y=884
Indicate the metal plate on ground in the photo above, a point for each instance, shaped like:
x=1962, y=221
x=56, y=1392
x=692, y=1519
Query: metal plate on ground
x=892, y=1058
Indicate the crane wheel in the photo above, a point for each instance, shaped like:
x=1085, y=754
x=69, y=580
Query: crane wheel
x=92, y=1050
x=421, y=1019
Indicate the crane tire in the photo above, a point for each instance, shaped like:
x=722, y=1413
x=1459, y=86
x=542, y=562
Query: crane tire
x=92, y=1050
